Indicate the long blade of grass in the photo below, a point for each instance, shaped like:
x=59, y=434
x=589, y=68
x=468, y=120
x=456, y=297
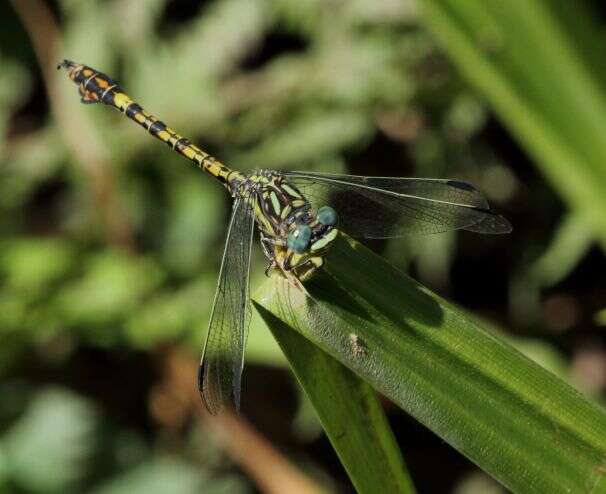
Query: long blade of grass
x=349, y=411
x=517, y=421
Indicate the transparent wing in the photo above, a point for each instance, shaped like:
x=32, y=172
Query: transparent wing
x=223, y=356
x=383, y=207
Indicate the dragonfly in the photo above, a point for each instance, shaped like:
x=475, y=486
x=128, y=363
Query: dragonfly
x=299, y=214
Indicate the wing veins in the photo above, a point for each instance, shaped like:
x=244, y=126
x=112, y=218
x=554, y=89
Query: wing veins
x=385, y=191
x=223, y=355
x=407, y=213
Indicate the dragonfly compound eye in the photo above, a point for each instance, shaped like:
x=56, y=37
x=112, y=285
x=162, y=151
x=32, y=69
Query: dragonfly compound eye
x=327, y=216
x=298, y=239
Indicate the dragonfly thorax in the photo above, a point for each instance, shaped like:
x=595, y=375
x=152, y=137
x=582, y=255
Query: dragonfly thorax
x=295, y=238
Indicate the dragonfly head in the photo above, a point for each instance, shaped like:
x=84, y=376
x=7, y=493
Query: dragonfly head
x=309, y=241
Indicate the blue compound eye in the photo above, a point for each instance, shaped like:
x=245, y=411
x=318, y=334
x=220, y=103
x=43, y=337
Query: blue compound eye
x=298, y=239
x=327, y=216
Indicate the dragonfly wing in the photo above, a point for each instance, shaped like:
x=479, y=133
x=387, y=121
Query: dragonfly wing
x=383, y=207
x=223, y=356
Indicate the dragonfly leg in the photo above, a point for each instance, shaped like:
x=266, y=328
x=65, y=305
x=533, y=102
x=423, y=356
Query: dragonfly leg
x=271, y=265
x=268, y=244
x=310, y=267
x=296, y=282
x=307, y=268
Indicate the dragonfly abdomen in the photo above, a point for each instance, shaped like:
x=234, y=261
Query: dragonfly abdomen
x=96, y=87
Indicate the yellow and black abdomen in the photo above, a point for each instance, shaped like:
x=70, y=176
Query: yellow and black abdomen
x=96, y=87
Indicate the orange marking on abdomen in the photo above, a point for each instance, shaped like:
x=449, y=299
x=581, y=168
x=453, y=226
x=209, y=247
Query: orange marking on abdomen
x=102, y=83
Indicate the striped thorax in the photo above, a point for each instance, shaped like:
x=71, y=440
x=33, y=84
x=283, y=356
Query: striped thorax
x=294, y=237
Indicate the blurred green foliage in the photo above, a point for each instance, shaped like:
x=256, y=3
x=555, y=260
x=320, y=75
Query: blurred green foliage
x=552, y=99
x=351, y=86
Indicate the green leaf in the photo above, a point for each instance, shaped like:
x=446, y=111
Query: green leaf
x=569, y=245
x=514, y=419
x=50, y=447
x=31, y=264
x=349, y=412
x=165, y=474
x=112, y=285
